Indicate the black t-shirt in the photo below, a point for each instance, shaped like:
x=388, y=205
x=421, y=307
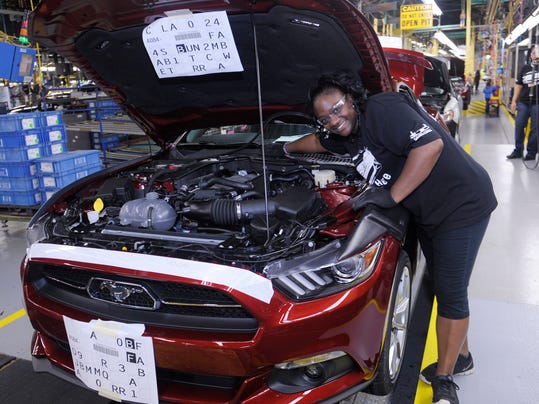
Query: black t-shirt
x=457, y=193
x=528, y=75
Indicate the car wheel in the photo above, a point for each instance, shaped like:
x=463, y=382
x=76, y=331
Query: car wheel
x=392, y=356
x=457, y=134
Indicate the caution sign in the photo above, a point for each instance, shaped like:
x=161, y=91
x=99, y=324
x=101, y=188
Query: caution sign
x=188, y=44
x=414, y=16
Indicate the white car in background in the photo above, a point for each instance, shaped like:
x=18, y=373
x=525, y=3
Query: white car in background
x=439, y=96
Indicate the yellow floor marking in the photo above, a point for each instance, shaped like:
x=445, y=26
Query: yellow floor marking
x=12, y=317
x=423, y=393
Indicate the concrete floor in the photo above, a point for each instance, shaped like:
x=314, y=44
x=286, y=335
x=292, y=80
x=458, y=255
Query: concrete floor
x=504, y=290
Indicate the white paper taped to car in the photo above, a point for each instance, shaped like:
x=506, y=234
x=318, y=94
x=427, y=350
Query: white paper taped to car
x=188, y=44
x=239, y=279
x=114, y=359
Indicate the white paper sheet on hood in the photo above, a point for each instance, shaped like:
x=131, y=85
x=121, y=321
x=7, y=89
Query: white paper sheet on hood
x=186, y=44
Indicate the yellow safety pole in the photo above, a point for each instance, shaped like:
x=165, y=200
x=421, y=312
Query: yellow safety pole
x=469, y=63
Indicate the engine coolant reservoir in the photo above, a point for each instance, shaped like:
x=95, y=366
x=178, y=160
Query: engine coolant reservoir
x=149, y=212
x=323, y=177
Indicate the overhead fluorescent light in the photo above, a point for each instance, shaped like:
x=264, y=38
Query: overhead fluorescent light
x=509, y=40
x=441, y=37
x=525, y=42
x=458, y=53
x=518, y=31
x=435, y=9
x=531, y=22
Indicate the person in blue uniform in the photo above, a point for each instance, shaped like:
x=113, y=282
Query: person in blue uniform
x=488, y=91
x=410, y=160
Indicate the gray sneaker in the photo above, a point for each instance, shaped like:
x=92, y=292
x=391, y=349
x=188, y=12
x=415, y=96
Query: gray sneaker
x=444, y=390
x=464, y=366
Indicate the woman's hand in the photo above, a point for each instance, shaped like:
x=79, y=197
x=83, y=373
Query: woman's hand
x=377, y=196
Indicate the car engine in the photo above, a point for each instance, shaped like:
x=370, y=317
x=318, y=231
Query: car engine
x=213, y=210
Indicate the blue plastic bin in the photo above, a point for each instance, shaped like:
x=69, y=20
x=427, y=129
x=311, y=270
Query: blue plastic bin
x=51, y=118
x=55, y=133
x=68, y=161
x=22, y=198
x=47, y=193
x=18, y=169
x=19, y=183
x=106, y=108
x=56, y=181
x=52, y=149
x=14, y=154
x=21, y=138
x=16, y=122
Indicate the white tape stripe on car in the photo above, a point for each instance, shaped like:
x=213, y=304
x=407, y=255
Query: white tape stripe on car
x=242, y=280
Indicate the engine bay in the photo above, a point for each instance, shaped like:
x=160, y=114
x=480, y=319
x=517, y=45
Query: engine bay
x=213, y=210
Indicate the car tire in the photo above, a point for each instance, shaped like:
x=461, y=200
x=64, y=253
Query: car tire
x=457, y=135
x=392, y=356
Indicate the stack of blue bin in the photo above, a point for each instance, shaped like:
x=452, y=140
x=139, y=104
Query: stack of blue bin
x=59, y=170
x=24, y=139
x=21, y=143
x=54, y=133
x=102, y=109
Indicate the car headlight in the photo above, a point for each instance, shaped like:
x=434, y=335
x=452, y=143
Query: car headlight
x=307, y=278
x=36, y=231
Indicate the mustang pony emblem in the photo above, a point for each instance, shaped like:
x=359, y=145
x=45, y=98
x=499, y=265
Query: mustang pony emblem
x=119, y=291
x=122, y=293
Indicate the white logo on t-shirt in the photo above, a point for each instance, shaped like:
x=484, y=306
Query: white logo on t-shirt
x=422, y=131
x=369, y=168
x=529, y=78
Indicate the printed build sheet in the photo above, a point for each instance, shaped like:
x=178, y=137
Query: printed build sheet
x=114, y=359
x=186, y=44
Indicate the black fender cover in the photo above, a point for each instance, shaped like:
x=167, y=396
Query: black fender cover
x=373, y=223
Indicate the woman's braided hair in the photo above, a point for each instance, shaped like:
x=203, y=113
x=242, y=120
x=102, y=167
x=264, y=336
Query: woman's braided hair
x=343, y=82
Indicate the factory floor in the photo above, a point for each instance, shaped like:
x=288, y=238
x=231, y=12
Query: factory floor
x=504, y=295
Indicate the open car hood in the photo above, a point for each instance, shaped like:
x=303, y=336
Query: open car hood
x=438, y=76
x=408, y=67
x=282, y=48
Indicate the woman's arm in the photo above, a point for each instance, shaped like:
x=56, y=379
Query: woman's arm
x=419, y=164
x=306, y=144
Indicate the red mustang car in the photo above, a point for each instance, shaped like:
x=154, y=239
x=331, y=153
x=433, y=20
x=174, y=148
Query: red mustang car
x=216, y=271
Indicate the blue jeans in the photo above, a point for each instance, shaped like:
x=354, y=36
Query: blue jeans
x=526, y=111
x=450, y=257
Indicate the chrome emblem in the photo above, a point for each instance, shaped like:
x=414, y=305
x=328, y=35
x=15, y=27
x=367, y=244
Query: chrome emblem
x=122, y=293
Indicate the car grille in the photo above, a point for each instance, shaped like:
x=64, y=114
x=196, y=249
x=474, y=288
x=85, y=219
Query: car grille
x=152, y=302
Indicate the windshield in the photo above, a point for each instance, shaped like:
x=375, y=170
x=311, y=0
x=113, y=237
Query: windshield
x=243, y=133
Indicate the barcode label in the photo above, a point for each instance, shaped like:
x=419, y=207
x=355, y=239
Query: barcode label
x=106, y=350
x=188, y=35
